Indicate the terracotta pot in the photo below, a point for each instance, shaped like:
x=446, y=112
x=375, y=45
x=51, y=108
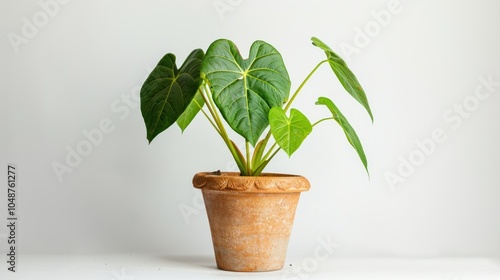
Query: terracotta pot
x=250, y=217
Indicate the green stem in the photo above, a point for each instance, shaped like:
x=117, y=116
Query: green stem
x=264, y=163
x=263, y=147
x=322, y=120
x=270, y=150
x=270, y=154
x=222, y=131
x=248, y=159
x=211, y=110
x=208, y=117
x=258, y=152
x=275, y=152
x=289, y=103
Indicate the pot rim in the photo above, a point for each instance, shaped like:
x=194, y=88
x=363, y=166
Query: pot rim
x=264, y=183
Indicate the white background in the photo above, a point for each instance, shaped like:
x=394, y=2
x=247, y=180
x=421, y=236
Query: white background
x=79, y=67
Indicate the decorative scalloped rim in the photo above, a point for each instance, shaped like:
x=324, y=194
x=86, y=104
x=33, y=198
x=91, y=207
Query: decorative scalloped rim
x=266, y=182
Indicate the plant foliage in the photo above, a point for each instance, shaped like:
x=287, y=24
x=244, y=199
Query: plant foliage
x=250, y=95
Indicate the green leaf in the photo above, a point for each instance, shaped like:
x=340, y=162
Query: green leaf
x=351, y=135
x=191, y=111
x=345, y=75
x=168, y=91
x=245, y=90
x=289, y=133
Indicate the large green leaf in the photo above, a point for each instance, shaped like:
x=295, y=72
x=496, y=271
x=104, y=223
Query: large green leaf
x=168, y=91
x=345, y=75
x=289, y=133
x=191, y=111
x=351, y=135
x=245, y=90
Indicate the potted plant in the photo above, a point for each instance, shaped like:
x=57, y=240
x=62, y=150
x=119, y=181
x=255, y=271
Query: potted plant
x=250, y=212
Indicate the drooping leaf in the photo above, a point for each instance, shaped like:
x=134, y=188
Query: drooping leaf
x=168, y=91
x=191, y=111
x=245, y=90
x=345, y=75
x=351, y=135
x=289, y=133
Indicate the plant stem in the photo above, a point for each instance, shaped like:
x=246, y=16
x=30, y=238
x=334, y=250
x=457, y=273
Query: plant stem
x=264, y=163
x=263, y=147
x=289, y=103
x=322, y=120
x=270, y=150
x=211, y=110
x=207, y=116
x=249, y=161
x=275, y=152
x=257, y=153
x=222, y=131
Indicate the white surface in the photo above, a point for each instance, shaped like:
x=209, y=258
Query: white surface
x=139, y=267
x=83, y=66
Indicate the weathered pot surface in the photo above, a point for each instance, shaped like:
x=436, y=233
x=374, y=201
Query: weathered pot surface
x=250, y=217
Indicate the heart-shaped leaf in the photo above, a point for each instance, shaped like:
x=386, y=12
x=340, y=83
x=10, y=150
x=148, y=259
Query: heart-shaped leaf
x=289, y=133
x=168, y=91
x=191, y=111
x=245, y=90
x=345, y=75
x=351, y=135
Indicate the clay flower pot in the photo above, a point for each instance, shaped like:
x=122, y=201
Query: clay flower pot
x=250, y=217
